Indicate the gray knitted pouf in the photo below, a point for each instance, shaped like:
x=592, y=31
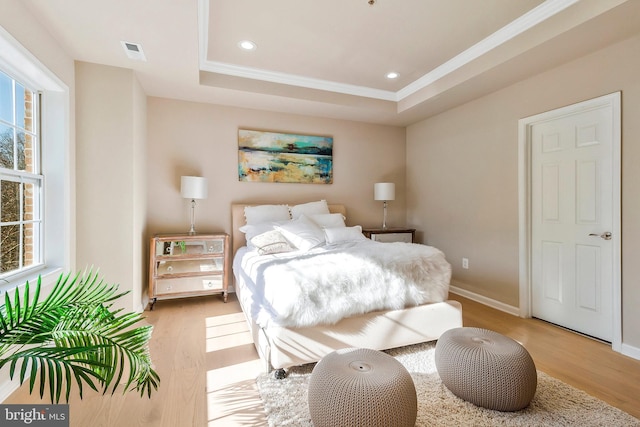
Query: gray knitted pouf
x=361, y=387
x=486, y=368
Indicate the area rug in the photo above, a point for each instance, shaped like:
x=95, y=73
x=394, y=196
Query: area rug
x=554, y=404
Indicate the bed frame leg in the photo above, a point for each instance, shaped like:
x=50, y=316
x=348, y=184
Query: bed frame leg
x=280, y=374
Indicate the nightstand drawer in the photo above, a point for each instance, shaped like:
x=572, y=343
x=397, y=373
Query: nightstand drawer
x=186, y=285
x=177, y=267
x=393, y=237
x=178, y=248
x=395, y=234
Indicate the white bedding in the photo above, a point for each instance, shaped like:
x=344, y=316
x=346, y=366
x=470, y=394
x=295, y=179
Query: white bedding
x=327, y=284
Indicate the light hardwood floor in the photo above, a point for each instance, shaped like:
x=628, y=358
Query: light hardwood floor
x=207, y=364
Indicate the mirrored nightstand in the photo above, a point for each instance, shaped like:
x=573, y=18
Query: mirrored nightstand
x=188, y=265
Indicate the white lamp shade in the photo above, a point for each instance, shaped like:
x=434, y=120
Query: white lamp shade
x=384, y=191
x=193, y=187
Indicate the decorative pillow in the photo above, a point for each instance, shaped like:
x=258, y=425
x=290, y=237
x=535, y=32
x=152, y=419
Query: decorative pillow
x=330, y=220
x=266, y=213
x=271, y=242
x=308, y=209
x=303, y=233
x=343, y=234
x=251, y=231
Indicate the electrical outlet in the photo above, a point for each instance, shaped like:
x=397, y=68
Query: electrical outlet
x=465, y=263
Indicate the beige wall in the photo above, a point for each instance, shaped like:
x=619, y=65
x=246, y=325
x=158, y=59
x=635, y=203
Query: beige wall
x=110, y=169
x=187, y=138
x=462, y=167
x=13, y=16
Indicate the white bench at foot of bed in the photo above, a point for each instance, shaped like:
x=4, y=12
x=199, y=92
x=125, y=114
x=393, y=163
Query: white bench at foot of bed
x=282, y=347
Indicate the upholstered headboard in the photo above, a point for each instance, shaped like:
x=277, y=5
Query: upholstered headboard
x=238, y=220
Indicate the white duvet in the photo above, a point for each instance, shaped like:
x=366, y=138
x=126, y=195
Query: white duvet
x=328, y=284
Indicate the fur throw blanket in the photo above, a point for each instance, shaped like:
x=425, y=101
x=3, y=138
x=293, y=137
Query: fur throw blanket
x=326, y=286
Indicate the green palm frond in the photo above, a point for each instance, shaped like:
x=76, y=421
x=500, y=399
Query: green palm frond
x=74, y=335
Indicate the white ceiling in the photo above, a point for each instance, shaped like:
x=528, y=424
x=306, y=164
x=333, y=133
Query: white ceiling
x=329, y=58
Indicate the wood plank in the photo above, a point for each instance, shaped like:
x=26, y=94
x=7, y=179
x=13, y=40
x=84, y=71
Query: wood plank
x=207, y=368
x=582, y=362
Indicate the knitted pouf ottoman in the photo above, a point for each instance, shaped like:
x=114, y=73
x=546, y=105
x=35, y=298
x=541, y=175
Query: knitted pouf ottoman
x=361, y=387
x=486, y=368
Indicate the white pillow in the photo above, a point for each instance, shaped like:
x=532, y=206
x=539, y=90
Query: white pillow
x=271, y=242
x=308, y=209
x=343, y=234
x=252, y=230
x=330, y=220
x=302, y=233
x=266, y=213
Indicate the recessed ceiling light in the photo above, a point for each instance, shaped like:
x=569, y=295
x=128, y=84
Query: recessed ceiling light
x=247, y=45
x=392, y=75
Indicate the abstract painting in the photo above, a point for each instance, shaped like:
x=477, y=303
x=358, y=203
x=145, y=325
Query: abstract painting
x=282, y=157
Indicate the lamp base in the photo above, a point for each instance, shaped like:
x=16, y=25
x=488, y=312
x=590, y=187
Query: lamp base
x=193, y=217
x=384, y=215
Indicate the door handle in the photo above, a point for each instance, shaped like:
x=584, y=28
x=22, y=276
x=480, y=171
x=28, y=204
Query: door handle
x=606, y=235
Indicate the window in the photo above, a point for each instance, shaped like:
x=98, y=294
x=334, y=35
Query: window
x=36, y=168
x=20, y=179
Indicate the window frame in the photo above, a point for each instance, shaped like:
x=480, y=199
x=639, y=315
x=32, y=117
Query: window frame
x=55, y=162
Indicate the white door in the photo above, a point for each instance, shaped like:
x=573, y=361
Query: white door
x=572, y=219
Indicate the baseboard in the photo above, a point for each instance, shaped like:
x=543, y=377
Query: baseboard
x=628, y=350
x=484, y=300
x=7, y=387
x=140, y=308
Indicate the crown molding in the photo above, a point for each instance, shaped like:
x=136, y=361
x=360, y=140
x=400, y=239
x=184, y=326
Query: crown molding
x=527, y=21
x=272, y=76
x=295, y=80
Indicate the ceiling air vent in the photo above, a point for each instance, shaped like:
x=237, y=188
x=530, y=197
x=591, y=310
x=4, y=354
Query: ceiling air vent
x=133, y=51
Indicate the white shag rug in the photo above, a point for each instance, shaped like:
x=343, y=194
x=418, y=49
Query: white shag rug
x=554, y=404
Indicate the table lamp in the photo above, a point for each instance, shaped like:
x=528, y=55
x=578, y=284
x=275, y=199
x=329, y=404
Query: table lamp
x=384, y=191
x=193, y=187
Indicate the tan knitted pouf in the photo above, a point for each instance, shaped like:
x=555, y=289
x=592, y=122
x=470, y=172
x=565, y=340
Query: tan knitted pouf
x=361, y=387
x=486, y=368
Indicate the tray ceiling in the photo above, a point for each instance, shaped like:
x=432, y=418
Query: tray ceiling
x=329, y=58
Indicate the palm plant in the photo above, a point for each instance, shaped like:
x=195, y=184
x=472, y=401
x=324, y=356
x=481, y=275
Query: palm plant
x=73, y=334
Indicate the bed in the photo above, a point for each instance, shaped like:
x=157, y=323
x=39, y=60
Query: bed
x=299, y=336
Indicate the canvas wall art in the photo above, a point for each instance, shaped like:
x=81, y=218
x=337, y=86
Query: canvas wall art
x=282, y=157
